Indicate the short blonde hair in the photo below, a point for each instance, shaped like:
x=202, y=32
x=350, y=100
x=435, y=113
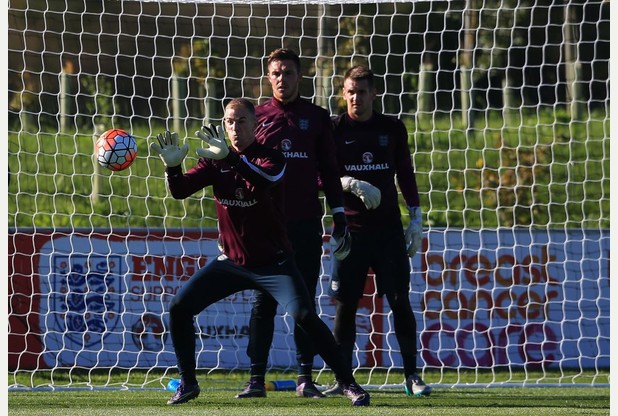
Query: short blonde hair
x=241, y=103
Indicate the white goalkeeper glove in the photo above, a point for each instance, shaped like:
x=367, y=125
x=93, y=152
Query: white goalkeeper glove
x=369, y=194
x=341, y=246
x=340, y=240
x=414, y=232
x=169, y=151
x=214, y=137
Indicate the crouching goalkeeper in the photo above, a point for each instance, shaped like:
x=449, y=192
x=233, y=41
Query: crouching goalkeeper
x=246, y=180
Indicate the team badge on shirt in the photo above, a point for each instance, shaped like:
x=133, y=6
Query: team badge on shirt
x=303, y=124
x=367, y=157
x=286, y=145
x=383, y=140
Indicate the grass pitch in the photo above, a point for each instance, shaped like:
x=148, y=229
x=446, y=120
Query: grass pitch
x=136, y=393
x=444, y=401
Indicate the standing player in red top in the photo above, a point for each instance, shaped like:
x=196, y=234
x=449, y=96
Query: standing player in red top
x=303, y=132
x=246, y=179
x=373, y=155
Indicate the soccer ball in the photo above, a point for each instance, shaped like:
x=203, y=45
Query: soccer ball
x=115, y=149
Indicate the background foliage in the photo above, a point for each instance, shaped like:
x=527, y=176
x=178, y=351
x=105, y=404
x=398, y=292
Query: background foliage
x=125, y=53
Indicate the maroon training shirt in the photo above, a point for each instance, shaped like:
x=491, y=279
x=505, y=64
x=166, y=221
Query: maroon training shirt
x=375, y=151
x=249, y=202
x=303, y=132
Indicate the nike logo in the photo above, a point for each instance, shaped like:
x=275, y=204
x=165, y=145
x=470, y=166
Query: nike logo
x=267, y=123
x=350, y=141
x=281, y=263
x=225, y=170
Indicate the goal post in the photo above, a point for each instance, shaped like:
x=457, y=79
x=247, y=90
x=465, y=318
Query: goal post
x=508, y=113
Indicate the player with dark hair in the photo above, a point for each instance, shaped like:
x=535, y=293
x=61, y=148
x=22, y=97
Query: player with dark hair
x=303, y=132
x=246, y=179
x=373, y=155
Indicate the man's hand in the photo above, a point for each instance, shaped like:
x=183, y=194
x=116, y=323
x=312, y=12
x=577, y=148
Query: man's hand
x=414, y=232
x=340, y=240
x=215, y=139
x=169, y=151
x=369, y=194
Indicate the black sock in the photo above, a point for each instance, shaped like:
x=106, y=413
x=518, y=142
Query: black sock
x=304, y=373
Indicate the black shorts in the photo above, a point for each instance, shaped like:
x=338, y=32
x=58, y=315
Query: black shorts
x=222, y=277
x=385, y=253
x=306, y=239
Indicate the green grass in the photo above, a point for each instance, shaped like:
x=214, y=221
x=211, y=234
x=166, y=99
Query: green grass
x=445, y=401
x=120, y=393
x=543, y=170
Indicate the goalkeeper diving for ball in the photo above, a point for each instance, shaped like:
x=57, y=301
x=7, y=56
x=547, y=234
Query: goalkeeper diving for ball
x=372, y=151
x=246, y=180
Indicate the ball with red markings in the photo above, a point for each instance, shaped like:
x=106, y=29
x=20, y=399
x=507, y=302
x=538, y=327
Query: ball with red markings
x=116, y=149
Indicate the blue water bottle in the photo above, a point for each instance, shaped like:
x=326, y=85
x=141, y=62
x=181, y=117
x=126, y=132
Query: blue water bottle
x=173, y=384
x=281, y=385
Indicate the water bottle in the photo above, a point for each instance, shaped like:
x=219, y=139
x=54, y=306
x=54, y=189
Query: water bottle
x=173, y=384
x=281, y=385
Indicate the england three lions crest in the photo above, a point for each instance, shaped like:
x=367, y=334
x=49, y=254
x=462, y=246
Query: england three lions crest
x=303, y=124
x=86, y=298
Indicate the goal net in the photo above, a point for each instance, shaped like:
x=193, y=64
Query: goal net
x=507, y=109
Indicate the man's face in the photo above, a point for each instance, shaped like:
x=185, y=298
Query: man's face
x=239, y=125
x=359, y=98
x=284, y=79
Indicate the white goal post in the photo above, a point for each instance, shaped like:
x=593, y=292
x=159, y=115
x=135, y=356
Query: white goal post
x=508, y=112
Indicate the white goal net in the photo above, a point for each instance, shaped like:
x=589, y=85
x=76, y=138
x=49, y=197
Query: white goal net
x=507, y=108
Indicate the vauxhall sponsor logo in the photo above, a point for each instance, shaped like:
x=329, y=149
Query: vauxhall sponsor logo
x=358, y=168
x=286, y=149
x=239, y=201
x=236, y=203
x=368, y=164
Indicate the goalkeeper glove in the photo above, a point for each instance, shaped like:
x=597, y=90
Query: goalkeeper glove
x=340, y=240
x=414, y=232
x=215, y=139
x=169, y=151
x=369, y=194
